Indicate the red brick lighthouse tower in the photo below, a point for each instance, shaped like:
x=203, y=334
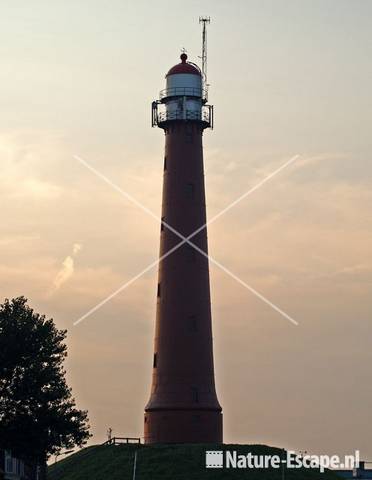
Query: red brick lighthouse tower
x=183, y=405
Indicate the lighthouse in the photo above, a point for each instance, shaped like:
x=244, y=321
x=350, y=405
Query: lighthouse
x=183, y=405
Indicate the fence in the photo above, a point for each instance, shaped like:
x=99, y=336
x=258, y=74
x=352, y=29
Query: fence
x=121, y=440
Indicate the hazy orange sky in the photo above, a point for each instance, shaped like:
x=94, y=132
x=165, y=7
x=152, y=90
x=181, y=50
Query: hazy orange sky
x=287, y=77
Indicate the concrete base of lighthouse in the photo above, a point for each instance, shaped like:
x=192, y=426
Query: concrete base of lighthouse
x=183, y=426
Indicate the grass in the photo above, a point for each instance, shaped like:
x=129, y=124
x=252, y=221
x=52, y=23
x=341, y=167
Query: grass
x=167, y=462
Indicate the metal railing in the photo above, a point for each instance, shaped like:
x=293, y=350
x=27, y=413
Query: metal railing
x=162, y=117
x=121, y=440
x=205, y=115
x=184, y=92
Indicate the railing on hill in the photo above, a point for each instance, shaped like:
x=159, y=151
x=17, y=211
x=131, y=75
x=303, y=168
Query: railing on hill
x=121, y=440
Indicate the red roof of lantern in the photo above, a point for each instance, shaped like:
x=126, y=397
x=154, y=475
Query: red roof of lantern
x=184, y=67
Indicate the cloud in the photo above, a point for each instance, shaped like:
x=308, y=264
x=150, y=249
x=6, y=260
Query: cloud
x=355, y=273
x=67, y=270
x=6, y=240
x=231, y=166
x=24, y=166
x=37, y=188
x=65, y=273
x=76, y=248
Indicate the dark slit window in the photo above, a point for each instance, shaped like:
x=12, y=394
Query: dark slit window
x=195, y=394
x=165, y=163
x=155, y=363
x=190, y=190
x=158, y=289
x=189, y=137
x=191, y=253
x=193, y=323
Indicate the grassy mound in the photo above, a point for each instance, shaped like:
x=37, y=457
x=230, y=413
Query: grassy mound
x=167, y=462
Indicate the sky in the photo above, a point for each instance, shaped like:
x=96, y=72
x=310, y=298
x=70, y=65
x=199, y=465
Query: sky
x=287, y=78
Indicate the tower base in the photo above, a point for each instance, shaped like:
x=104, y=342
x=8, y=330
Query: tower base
x=183, y=426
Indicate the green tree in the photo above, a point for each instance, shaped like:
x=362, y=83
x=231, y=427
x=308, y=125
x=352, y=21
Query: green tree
x=38, y=415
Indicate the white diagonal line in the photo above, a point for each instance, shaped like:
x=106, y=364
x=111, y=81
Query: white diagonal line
x=129, y=282
x=212, y=260
x=185, y=239
x=169, y=227
x=245, y=195
x=133, y=200
x=255, y=292
x=117, y=188
x=248, y=287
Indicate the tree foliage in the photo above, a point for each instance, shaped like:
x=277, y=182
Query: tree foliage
x=38, y=415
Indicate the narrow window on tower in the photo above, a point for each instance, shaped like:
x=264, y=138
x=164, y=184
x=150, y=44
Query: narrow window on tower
x=189, y=137
x=190, y=190
x=191, y=253
x=195, y=394
x=162, y=224
x=165, y=163
x=158, y=290
x=193, y=323
x=155, y=362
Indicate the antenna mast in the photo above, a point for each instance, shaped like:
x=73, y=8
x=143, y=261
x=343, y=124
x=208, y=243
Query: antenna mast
x=204, y=21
